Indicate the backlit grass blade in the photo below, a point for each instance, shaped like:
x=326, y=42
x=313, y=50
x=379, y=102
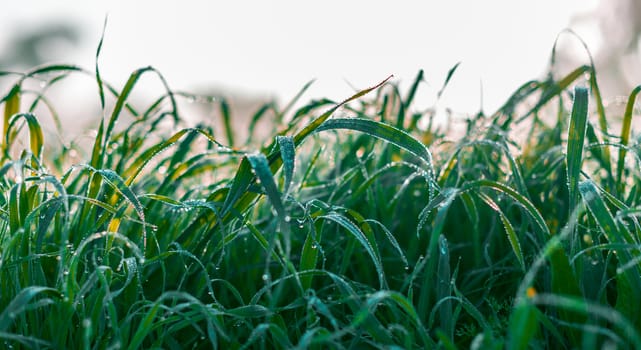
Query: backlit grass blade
x=11, y=107
x=36, y=138
x=625, y=136
x=576, y=141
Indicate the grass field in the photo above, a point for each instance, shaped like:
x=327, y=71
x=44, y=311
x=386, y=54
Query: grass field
x=352, y=226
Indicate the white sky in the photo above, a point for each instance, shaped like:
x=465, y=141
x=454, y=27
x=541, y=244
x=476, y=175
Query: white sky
x=274, y=47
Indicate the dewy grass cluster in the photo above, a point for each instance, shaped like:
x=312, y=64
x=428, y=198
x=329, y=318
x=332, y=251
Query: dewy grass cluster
x=352, y=227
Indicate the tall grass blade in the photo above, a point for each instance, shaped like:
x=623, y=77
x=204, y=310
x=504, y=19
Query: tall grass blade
x=260, y=165
x=576, y=140
x=626, y=129
x=288, y=154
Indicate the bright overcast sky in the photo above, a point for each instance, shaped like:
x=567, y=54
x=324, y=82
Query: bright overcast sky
x=274, y=47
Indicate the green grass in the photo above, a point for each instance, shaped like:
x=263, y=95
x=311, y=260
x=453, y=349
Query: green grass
x=360, y=232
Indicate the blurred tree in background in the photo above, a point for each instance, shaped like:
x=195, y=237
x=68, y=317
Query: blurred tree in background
x=30, y=47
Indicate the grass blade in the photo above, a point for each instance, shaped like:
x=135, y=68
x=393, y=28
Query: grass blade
x=576, y=140
x=626, y=129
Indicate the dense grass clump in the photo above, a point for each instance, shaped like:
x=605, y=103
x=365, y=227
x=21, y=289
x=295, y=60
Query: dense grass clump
x=355, y=225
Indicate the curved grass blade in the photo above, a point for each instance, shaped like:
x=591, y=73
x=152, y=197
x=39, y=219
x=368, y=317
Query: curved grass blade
x=356, y=232
x=576, y=141
x=404, y=304
x=36, y=138
x=587, y=308
x=11, y=107
x=625, y=136
x=520, y=199
x=512, y=237
x=22, y=302
x=384, y=132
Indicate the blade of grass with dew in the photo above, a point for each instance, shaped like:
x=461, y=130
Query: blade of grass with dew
x=443, y=202
x=625, y=136
x=259, y=164
x=520, y=199
x=288, y=155
x=512, y=237
x=576, y=141
x=362, y=239
x=384, y=132
x=238, y=197
x=444, y=287
x=629, y=280
x=404, y=304
x=22, y=302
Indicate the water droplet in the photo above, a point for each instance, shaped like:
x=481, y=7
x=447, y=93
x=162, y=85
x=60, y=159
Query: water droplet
x=265, y=277
x=288, y=218
x=443, y=245
x=406, y=267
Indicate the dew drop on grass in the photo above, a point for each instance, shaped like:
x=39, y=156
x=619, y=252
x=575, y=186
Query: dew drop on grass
x=288, y=218
x=406, y=267
x=265, y=277
x=443, y=244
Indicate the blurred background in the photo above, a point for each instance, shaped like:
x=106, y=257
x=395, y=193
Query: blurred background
x=255, y=50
